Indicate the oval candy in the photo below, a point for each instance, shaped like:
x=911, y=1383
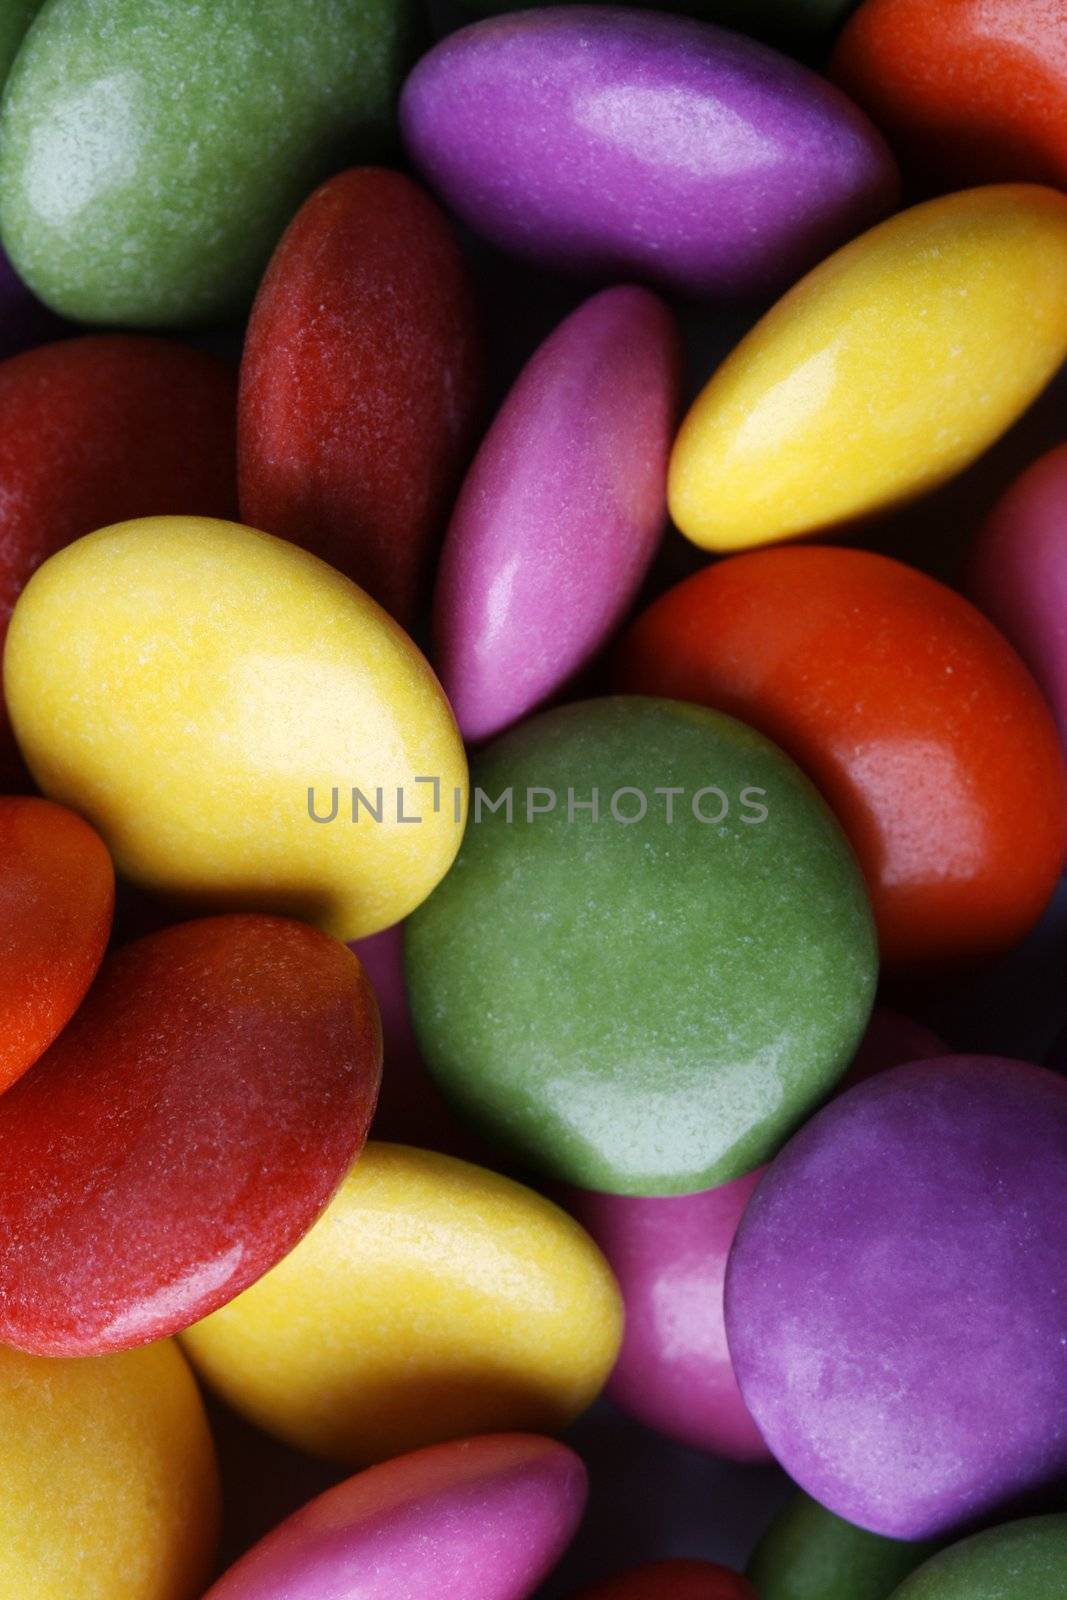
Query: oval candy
x=614, y=143
x=809, y=1554
x=102, y=428
x=646, y=994
x=912, y=1390
x=561, y=512
x=110, y=1483
x=150, y=158
x=432, y=1300
x=361, y=384
x=1019, y=1561
x=478, y=1519
x=911, y=713
x=183, y=1132
x=1017, y=573
x=57, y=895
x=882, y=374
x=970, y=92
x=243, y=725
x=674, y=1372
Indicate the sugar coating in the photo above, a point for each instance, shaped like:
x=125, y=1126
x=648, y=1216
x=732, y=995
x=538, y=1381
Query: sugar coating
x=896, y=1299
x=487, y=1516
x=612, y=142
x=153, y=150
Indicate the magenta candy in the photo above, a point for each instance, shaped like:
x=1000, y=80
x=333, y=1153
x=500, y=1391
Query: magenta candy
x=612, y=142
x=669, y=1255
x=561, y=512
x=478, y=1519
x=896, y=1298
x=1018, y=573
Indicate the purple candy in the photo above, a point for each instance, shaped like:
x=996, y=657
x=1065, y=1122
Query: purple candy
x=1018, y=574
x=561, y=512
x=478, y=1519
x=612, y=142
x=896, y=1298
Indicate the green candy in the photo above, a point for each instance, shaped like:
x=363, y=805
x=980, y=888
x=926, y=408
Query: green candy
x=1018, y=1561
x=809, y=1554
x=647, y=1007
x=153, y=151
x=15, y=18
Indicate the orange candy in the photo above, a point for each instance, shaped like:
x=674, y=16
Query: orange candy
x=57, y=893
x=906, y=707
x=673, y=1580
x=970, y=91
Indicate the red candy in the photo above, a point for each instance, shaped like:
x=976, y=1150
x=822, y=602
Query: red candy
x=673, y=1580
x=183, y=1133
x=97, y=430
x=906, y=707
x=57, y=894
x=970, y=91
x=361, y=384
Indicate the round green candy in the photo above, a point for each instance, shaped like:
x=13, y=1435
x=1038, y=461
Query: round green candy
x=153, y=151
x=809, y=1554
x=1019, y=1561
x=647, y=1001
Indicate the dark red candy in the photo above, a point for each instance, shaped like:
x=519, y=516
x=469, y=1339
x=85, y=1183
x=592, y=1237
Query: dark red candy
x=673, y=1580
x=361, y=384
x=183, y=1133
x=98, y=430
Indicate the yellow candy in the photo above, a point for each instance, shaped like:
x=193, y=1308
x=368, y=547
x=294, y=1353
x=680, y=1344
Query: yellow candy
x=432, y=1300
x=109, y=1481
x=184, y=683
x=882, y=373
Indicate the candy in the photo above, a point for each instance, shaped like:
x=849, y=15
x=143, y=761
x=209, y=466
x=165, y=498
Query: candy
x=609, y=142
x=883, y=373
x=480, y=1519
x=672, y=1580
x=674, y=1372
x=894, y=1297
x=1019, y=1561
x=150, y=158
x=243, y=725
x=809, y=1554
x=361, y=383
x=561, y=512
x=968, y=92
x=1018, y=573
x=913, y=716
x=109, y=1477
x=98, y=429
x=646, y=1000
x=183, y=1133
x=57, y=892
x=432, y=1299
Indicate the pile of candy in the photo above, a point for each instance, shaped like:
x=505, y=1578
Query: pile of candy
x=665, y=425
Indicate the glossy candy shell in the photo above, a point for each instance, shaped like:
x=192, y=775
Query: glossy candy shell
x=213, y=1089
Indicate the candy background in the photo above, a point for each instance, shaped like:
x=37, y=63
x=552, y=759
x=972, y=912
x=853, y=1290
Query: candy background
x=650, y=1499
